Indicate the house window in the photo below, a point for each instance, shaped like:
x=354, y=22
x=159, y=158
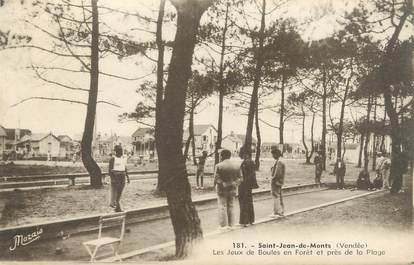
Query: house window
x=49, y=147
x=204, y=138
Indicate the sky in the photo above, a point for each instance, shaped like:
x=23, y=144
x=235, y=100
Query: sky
x=19, y=80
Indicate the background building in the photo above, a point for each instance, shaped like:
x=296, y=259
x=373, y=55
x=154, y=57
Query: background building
x=234, y=142
x=205, y=137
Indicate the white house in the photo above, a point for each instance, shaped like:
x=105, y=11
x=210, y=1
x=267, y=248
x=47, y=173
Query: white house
x=67, y=146
x=39, y=144
x=143, y=142
x=234, y=142
x=205, y=137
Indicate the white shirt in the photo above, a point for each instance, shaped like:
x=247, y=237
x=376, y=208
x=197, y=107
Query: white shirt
x=119, y=163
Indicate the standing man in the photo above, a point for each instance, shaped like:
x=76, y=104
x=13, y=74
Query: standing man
x=227, y=176
x=318, y=161
x=117, y=172
x=378, y=181
x=200, y=170
x=248, y=183
x=278, y=178
x=339, y=171
x=385, y=169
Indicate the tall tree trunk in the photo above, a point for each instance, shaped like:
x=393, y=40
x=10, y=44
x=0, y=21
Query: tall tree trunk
x=312, y=140
x=282, y=111
x=191, y=130
x=341, y=120
x=324, y=98
x=86, y=144
x=374, y=141
x=382, y=145
x=403, y=147
x=361, y=147
x=193, y=147
x=221, y=90
x=160, y=82
x=187, y=147
x=259, y=140
x=173, y=173
x=303, y=137
x=367, y=134
x=256, y=82
x=396, y=168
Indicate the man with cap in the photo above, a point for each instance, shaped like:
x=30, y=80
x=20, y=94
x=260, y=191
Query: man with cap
x=278, y=178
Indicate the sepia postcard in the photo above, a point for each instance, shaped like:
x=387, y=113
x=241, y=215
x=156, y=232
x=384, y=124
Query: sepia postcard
x=207, y=131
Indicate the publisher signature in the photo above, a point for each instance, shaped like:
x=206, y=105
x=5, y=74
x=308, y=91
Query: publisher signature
x=23, y=240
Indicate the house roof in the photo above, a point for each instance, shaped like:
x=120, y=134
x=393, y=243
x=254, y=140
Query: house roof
x=199, y=129
x=36, y=137
x=124, y=139
x=140, y=132
x=234, y=137
x=3, y=132
x=62, y=138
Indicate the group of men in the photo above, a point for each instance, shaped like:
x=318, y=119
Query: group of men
x=382, y=170
x=382, y=179
x=227, y=177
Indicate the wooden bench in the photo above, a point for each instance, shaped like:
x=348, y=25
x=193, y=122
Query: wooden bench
x=92, y=246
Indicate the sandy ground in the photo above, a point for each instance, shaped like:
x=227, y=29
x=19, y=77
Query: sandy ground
x=24, y=207
x=382, y=223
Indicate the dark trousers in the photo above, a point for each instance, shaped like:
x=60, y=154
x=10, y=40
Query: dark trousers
x=117, y=186
x=339, y=181
x=246, y=205
x=318, y=173
x=200, y=176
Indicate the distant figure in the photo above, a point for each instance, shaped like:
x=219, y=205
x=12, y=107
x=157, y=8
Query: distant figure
x=363, y=181
x=151, y=156
x=383, y=169
x=248, y=183
x=200, y=170
x=339, y=172
x=227, y=176
x=318, y=161
x=117, y=172
x=278, y=178
x=378, y=181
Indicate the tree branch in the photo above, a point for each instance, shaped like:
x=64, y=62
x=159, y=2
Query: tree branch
x=63, y=100
x=47, y=98
x=268, y=124
x=69, y=49
x=45, y=50
x=57, y=83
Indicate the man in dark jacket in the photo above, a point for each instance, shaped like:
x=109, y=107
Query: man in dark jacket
x=339, y=171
